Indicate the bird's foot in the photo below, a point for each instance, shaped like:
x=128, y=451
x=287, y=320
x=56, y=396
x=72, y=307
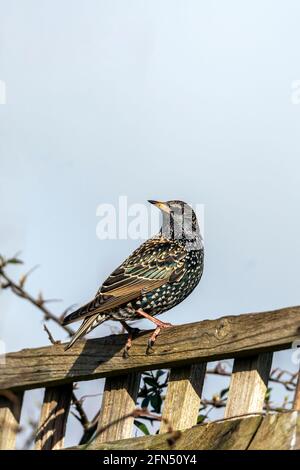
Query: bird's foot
x=127, y=347
x=155, y=334
x=163, y=324
x=132, y=334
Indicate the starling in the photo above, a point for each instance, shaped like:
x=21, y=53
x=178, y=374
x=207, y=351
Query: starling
x=156, y=277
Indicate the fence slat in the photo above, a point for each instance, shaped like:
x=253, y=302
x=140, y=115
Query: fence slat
x=248, y=385
x=119, y=399
x=10, y=413
x=54, y=414
x=182, y=402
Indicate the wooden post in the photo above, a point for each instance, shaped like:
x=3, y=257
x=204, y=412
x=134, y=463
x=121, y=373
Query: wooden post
x=119, y=399
x=10, y=412
x=182, y=402
x=248, y=385
x=54, y=414
x=296, y=404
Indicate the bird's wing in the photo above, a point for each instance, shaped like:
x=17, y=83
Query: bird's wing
x=154, y=263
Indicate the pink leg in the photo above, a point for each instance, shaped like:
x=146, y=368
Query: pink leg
x=131, y=332
x=153, y=319
x=159, y=326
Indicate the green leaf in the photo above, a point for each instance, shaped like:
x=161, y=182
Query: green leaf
x=143, y=392
x=224, y=392
x=145, y=402
x=200, y=419
x=142, y=427
x=150, y=381
x=156, y=402
x=15, y=261
x=159, y=373
x=268, y=394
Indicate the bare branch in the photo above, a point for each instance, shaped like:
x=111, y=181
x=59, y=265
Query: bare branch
x=82, y=417
x=51, y=339
x=140, y=413
x=38, y=302
x=25, y=276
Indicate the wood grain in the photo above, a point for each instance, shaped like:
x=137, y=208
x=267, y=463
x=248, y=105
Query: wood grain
x=296, y=403
x=248, y=385
x=182, y=402
x=209, y=340
x=279, y=431
x=119, y=400
x=10, y=412
x=53, y=419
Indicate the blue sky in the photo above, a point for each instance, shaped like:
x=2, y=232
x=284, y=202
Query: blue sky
x=151, y=100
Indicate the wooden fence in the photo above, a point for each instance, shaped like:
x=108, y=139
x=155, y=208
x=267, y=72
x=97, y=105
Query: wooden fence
x=250, y=339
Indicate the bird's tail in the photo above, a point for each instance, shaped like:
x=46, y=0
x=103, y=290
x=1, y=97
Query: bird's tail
x=84, y=311
x=87, y=325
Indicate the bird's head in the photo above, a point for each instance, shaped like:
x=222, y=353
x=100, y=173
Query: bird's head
x=179, y=220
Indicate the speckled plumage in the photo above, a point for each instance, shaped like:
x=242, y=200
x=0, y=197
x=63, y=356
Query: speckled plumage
x=156, y=277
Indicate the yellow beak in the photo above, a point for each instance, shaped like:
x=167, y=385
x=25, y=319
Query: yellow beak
x=161, y=205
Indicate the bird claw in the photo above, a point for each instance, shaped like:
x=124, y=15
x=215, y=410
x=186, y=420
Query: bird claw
x=150, y=349
x=125, y=353
x=133, y=332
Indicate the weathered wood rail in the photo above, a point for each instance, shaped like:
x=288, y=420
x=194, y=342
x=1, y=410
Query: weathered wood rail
x=250, y=339
x=271, y=432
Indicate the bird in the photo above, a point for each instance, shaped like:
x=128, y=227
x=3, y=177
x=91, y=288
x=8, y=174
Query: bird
x=156, y=277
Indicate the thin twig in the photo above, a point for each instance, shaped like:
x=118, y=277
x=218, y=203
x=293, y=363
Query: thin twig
x=82, y=414
x=290, y=384
x=51, y=339
x=39, y=302
x=139, y=413
x=90, y=429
